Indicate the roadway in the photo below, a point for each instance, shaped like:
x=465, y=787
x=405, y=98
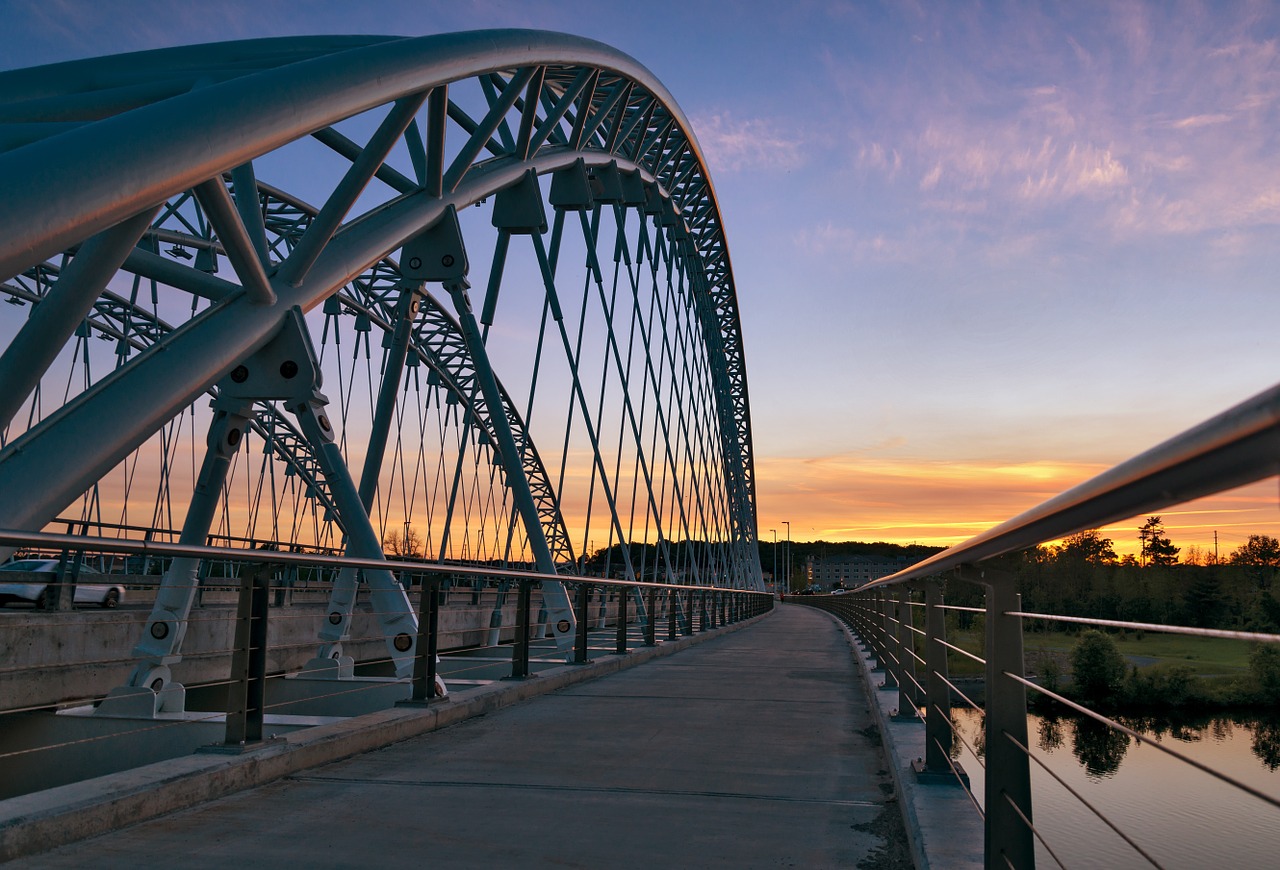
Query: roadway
x=752, y=749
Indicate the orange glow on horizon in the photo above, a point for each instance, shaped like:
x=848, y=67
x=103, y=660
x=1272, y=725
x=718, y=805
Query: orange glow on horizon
x=903, y=501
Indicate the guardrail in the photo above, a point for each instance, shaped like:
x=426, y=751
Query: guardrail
x=603, y=608
x=1237, y=447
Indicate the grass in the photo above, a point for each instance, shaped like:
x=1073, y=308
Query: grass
x=1205, y=656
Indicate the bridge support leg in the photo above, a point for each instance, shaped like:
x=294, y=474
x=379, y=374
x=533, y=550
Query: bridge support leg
x=390, y=602
x=151, y=689
x=330, y=659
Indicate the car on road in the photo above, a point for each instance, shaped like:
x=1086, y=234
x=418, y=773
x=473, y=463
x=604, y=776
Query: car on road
x=36, y=591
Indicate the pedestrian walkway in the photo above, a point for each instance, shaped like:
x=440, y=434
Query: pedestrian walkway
x=753, y=749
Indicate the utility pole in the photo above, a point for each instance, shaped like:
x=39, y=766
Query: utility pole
x=1215, y=546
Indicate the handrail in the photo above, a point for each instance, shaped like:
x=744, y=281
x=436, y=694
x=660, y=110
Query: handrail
x=160, y=548
x=1239, y=446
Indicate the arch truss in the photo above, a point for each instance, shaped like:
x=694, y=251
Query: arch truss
x=466, y=297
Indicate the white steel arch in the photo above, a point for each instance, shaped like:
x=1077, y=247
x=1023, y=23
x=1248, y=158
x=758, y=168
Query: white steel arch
x=106, y=161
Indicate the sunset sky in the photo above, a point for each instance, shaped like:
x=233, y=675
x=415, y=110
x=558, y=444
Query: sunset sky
x=983, y=251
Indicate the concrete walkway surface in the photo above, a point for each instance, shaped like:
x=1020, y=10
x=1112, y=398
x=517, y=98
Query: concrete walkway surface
x=752, y=749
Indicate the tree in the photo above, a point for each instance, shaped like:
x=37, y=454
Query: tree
x=1157, y=549
x=1097, y=668
x=1204, y=599
x=1260, y=555
x=405, y=544
x=1264, y=666
x=1088, y=547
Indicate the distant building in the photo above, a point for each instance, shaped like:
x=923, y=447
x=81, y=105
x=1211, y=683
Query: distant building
x=849, y=571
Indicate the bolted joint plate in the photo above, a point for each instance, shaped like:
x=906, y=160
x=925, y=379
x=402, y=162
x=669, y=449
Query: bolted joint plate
x=285, y=368
x=437, y=253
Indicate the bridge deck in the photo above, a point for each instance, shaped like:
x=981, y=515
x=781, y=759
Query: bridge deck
x=706, y=758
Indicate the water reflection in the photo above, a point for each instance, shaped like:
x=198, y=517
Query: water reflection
x=1182, y=816
x=1265, y=742
x=1050, y=732
x=1098, y=747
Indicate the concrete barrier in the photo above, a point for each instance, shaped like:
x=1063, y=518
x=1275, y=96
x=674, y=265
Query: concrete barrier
x=66, y=657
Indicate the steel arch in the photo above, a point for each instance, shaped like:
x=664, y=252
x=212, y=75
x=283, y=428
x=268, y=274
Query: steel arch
x=600, y=107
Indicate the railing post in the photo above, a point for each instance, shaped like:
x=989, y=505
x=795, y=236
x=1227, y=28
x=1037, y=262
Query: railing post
x=875, y=630
x=672, y=628
x=424, y=661
x=622, y=622
x=584, y=605
x=893, y=659
x=866, y=634
x=935, y=767
x=520, y=652
x=1009, y=840
x=246, y=695
x=908, y=694
x=651, y=617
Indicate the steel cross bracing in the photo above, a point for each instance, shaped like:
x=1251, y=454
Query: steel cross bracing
x=133, y=328
x=424, y=127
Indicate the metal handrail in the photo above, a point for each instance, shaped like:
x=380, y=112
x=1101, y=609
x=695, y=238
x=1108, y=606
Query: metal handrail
x=163, y=549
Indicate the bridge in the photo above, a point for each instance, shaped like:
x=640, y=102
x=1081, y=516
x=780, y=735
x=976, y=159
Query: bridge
x=389, y=382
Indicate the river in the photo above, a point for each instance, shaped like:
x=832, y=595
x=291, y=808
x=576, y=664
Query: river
x=1182, y=816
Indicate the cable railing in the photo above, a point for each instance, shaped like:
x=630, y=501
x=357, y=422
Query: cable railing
x=1237, y=447
x=502, y=630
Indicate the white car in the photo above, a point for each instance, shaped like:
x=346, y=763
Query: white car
x=108, y=595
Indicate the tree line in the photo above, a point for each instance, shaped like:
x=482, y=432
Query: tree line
x=1083, y=576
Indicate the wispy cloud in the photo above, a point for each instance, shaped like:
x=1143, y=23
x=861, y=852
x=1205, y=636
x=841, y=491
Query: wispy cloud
x=735, y=145
x=1107, y=127
x=829, y=238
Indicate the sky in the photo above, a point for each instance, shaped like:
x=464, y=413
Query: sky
x=983, y=251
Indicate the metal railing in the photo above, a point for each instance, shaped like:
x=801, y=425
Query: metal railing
x=685, y=609
x=1237, y=447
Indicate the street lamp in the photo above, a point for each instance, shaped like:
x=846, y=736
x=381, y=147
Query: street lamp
x=786, y=569
x=776, y=587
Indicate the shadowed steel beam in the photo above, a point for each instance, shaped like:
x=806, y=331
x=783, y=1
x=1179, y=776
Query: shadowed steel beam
x=362, y=170
x=133, y=402
x=68, y=302
x=236, y=241
x=172, y=274
x=85, y=197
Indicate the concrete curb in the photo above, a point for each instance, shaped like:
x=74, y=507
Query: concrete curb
x=942, y=825
x=44, y=820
